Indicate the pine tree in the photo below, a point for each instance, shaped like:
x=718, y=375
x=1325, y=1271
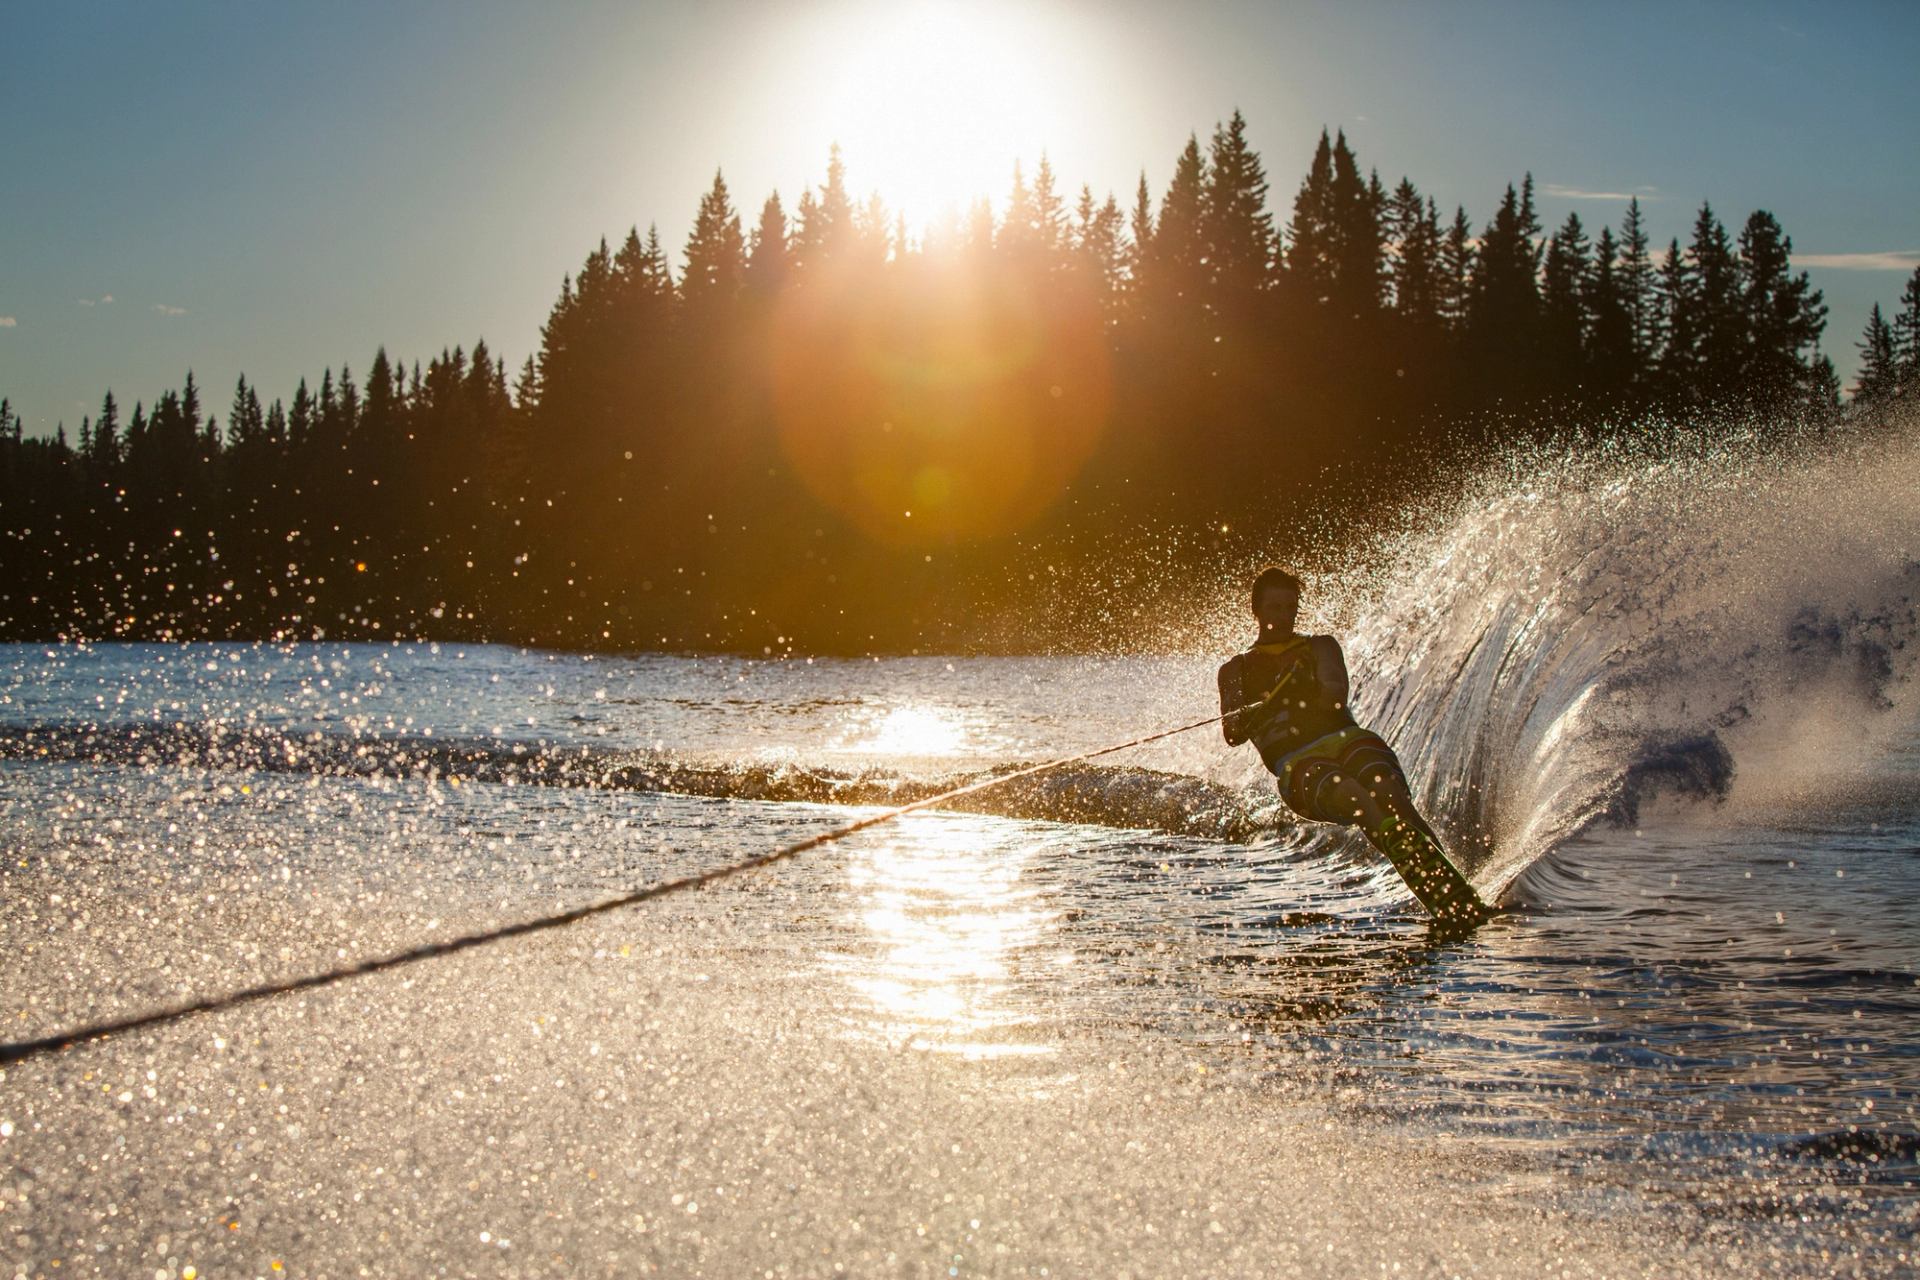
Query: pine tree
x=1879, y=378
x=805, y=247
x=1719, y=321
x=716, y=255
x=1359, y=244
x=1906, y=333
x=1612, y=361
x=190, y=408
x=526, y=387
x=1456, y=271
x=1336, y=248
x=301, y=417
x=102, y=450
x=981, y=232
x=873, y=232
x=767, y=249
x=349, y=402
x=1563, y=306
x=1413, y=227
x=1139, y=247
x=1176, y=266
x=1098, y=248
x=1016, y=228
x=836, y=205
x=1049, y=215
x=823, y=228
x=1676, y=371
x=1784, y=317
x=138, y=446
x=1637, y=288
x=1504, y=298
x=1311, y=258
x=246, y=421
x=1235, y=226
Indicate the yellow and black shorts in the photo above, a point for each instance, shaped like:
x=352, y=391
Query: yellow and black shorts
x=1306, y=776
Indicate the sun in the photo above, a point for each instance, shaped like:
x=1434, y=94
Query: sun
x=933, y=102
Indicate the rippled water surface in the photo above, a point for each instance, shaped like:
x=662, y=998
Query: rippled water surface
x=1127, y=1018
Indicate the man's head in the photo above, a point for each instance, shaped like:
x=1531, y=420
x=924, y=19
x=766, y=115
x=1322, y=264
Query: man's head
x=1276, y=598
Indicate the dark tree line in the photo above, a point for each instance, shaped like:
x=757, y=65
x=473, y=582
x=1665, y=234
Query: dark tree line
x=1890, y=353
x=818, y=432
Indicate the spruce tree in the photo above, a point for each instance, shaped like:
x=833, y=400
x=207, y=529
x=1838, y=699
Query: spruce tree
x=103, y=450
x=1504, y=300
x=767, y=249
x=1879, y=378
x=1235, y=226
x=1563, y=307
x=716, y=255
x=246, y=421
x=1677, y=371
x=872, y=232
x=1017, y=235
x=1139, y=250
x=1359, y=245
x=1784, y=317
x=1906, y=333
x=300, y=417
x=1049, y=225
x=1719, y=321
x=1456, y=271
x=1178, y=249
x=981, y=231
x=1638, y=287
x=1413, y=227
x=1612, y=360
x=1312, y=265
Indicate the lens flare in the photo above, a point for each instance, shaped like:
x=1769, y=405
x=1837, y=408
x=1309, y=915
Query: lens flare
x=928, y=405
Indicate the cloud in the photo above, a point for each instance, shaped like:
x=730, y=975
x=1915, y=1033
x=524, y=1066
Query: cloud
x=1565, y=192
x=8, y=322
x=1890, y=260
x=166, y=310
x=105, y=300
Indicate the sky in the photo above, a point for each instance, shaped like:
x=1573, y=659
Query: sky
x=271, y=189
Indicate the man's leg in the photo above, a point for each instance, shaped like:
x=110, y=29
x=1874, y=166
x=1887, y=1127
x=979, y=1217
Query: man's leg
x=1378, y=801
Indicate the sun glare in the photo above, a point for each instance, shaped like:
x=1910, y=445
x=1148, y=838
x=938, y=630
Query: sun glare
x=911, y=730
x=933, y=102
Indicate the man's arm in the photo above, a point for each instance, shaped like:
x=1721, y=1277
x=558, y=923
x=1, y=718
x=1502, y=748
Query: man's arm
x=1233, y=725
x=1330, y=665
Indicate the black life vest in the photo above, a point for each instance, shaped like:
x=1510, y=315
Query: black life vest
x=1305, y=710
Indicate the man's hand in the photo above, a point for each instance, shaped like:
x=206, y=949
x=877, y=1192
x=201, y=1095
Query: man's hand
x=1243, y=722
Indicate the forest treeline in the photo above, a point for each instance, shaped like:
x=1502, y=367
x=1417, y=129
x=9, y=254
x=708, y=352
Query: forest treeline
x=813, y=433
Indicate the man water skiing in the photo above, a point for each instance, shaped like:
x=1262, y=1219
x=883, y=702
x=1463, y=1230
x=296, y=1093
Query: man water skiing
x=1288, y=695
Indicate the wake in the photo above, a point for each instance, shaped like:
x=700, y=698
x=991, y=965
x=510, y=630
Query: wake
x=1577, y=636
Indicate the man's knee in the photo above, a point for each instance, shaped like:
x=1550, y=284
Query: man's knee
x=1353, y=803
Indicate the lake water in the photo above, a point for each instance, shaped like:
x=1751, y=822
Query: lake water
x=1125, y=1019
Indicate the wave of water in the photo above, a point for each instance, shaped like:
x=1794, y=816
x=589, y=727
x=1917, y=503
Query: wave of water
x=1094, y=795
x=1579, y=636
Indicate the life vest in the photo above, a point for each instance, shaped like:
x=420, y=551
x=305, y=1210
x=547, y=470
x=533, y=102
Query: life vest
x=1305, y=710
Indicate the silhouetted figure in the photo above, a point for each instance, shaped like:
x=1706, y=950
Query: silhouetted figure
x=1287, y=694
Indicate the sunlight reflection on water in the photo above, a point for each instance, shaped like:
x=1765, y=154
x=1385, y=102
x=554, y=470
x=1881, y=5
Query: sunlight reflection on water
x=943, y=907
x=916, y=729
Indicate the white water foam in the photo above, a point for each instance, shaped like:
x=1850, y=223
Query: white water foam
x=1576, y=635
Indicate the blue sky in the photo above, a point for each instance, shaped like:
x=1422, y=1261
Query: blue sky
x=272, y=189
